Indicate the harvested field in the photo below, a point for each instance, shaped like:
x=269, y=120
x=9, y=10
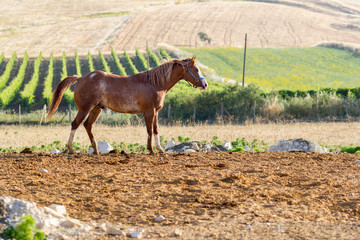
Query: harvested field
x=205, y=195
x=81, y=26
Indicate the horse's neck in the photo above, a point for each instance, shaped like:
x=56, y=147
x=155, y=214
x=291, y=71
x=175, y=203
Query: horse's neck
x=176, y=75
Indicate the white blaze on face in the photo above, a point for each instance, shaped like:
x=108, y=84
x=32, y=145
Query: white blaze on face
x=200, y=73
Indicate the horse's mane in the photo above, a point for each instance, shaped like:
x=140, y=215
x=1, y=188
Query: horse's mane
x=159, y=75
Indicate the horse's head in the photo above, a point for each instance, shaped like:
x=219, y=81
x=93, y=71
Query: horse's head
x=193, y=74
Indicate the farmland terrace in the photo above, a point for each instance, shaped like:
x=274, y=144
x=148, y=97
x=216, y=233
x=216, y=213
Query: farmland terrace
x=81, y=26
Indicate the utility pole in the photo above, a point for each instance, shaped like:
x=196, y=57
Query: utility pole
x=243, y=79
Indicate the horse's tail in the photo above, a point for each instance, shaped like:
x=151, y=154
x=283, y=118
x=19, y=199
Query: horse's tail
x=58, y=94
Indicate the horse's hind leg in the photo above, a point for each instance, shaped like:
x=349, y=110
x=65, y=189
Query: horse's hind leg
x=74, y=125
x=156, y=132
x=149, y=119
x=93, y=116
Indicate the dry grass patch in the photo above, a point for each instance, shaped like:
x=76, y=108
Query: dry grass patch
x=322, y=133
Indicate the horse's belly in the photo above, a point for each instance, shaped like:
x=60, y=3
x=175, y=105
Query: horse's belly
x=129, y=104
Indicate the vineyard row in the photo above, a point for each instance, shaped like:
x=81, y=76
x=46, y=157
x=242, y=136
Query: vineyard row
x=30, y=82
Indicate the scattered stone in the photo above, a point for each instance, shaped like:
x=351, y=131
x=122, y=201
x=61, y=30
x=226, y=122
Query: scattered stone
x=298, y=144
x=70, y=223
x=357, y=161
x=170, y=144
x=278, y=228
x=103, y=147
x=196, y=147
x=246, y=148
x=227, y=145
x=55, y=151
x=177, y=233
x=60, y=209
x=189, y=150
x=111, y=230
x=26, y=150
x=136, y=235
x=159, y=218
x=44, y=171
x=249, y=227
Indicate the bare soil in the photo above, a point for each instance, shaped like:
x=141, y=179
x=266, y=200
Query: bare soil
x=205, y=195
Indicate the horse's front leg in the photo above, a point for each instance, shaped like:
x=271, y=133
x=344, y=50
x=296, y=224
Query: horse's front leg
x=149, y=119
x=156, y=133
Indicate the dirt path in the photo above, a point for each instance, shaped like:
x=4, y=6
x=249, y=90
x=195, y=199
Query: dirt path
x=205, y=195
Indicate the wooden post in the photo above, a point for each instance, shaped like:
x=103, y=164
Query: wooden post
x=194, y=114
x=43, y=114
x=243, y=79
x=70, y=113
x=169, y=112
x=222, y=111
x=254, y=112
x=19, y=114
x=317, y=105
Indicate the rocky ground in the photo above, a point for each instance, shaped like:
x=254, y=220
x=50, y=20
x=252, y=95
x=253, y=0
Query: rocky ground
x=216, y=195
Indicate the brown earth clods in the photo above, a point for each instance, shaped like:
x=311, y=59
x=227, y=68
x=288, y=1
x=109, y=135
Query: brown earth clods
x=205, y=195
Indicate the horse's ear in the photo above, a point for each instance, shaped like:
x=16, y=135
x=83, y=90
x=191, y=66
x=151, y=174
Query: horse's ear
x=193, y=59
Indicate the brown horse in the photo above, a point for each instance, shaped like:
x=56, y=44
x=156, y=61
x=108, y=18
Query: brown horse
x=140, y=93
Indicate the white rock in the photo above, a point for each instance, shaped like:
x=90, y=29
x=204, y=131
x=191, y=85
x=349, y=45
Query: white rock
x=159, y=218
x=60, y=209
x=44, y=171
x=177, y=233
x=114, y=231
x=170, y=144
x=52, y=212
x=70, y=223
x=278, y=228
x=227, y=145
x=246, y=148
x=249, y=227
x=55, y=151
x=136, y=235
x=189, y=150
x=103, y=147
x=357, y=161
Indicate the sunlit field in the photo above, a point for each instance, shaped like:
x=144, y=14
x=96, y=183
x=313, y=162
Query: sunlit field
x=328, y=134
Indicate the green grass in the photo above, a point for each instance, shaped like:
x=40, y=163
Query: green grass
x=285, y=68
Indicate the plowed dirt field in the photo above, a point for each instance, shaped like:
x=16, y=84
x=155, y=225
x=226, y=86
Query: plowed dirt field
x=205, y=195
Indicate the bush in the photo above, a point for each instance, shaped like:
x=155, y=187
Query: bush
x=25, y=230
x=78, y=65
x=104, y=63
x=8, y=94
x=153, y=58
x=47, y=92
x=142, y=60
x=130, y=64
x=6, y=74
x=27, y=95
x=118, y=65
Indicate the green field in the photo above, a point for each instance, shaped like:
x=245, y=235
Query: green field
x=285, y=68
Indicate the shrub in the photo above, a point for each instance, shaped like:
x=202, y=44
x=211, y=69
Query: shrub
x=78, y=65
x=164, y=54
x=47, y=92
x=130, y=64
x=8, y=94
x=27, y=95
x=6, y=74
x=25, y=230
x=153, y=58
x=91, y=64
x=104, y=63
x=118, y=65
x=142, y=60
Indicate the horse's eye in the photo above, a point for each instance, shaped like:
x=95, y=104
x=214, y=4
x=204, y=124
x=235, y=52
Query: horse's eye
x=197, y=70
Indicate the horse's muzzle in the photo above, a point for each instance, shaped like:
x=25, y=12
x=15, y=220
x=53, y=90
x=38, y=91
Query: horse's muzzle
x=202, y=84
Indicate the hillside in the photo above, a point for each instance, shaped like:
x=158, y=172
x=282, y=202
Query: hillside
x=285, y=68
x=70, y=26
